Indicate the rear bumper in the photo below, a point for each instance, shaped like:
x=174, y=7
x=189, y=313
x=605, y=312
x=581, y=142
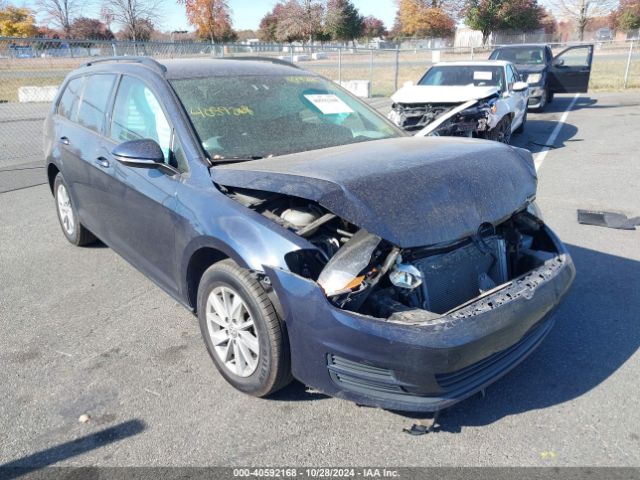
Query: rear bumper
x=419, y=367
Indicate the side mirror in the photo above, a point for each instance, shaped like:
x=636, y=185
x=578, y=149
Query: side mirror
x=408, y=84
x=558, y=62
x=519, y=86
x=145, y=153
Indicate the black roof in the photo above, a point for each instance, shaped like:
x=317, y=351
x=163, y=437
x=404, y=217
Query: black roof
x=522, y=45
x=210, y=67
x=200, y=67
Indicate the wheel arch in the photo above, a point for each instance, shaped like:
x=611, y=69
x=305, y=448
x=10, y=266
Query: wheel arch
x=52, y=172
x=199, y=261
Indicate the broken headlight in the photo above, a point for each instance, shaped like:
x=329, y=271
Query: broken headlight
x=534, y=210
x=343, y=272
x=395, y=116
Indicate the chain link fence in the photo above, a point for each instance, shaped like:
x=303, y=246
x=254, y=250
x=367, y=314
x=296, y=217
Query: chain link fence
x=32, y=69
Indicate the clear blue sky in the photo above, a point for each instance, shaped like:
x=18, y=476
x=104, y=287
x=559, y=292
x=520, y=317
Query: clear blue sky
x=247, y=13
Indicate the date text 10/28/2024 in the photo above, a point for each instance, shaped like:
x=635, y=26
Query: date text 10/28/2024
x=324, y=472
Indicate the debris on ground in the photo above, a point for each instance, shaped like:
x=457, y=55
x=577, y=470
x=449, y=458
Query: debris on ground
x=423, y=426
x=607, y=219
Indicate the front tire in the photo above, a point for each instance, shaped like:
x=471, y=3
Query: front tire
x=242, y=331
x=550, y=97
x=543, y=101
x=502, y=131
x=73, y=230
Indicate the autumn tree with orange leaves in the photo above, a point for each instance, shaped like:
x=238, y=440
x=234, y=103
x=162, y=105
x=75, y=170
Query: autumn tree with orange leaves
x=424, y=18
x=211, y=18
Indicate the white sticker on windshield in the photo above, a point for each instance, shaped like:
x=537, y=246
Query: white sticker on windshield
x=329, y=104
x=481, y=75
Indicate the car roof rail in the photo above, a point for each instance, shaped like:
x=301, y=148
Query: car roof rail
x=264, y=59
x=148, y=61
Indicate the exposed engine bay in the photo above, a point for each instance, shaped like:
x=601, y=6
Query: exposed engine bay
x=464, y=119
x=361, y=272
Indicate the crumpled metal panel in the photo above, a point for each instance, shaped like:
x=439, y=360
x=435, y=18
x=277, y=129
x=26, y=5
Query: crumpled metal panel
x=410, y=191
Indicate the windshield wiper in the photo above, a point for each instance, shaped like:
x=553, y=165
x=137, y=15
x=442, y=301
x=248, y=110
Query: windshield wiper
x=217, y=159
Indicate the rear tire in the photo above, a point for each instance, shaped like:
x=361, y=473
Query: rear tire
x=72, y=229
x=243, y=334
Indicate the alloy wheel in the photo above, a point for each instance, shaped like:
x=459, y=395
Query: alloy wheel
x=65, y=210
x=232, y=331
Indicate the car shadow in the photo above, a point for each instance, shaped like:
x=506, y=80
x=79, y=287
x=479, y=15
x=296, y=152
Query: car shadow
x=537, y=133
x=64, y=451
x=596, y=332
x=296, y=392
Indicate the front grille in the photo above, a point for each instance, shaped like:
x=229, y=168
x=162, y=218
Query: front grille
x=492, y=364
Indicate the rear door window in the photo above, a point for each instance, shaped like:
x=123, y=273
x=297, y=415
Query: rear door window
x=68, y=105
x=95, y=99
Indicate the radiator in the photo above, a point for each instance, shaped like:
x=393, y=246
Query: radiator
x=451, y=279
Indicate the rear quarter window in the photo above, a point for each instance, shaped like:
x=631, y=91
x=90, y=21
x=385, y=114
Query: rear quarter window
x=70, y=99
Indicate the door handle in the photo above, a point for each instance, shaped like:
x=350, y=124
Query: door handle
x=102, y=162
x=64, y=140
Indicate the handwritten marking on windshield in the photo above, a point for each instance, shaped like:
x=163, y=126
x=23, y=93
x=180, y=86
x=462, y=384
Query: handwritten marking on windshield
x=220, y=111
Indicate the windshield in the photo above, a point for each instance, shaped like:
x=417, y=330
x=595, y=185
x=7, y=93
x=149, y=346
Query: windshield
x=259, y=116
x=520, y=55
x=459, y=75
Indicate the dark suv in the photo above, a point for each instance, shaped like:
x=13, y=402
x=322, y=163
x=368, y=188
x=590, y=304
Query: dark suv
x=312, y=238
x=546, y=74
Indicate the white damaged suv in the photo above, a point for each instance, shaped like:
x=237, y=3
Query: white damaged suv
x=483, y=99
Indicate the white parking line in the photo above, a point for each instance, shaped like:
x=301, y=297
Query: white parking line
x=539, y=157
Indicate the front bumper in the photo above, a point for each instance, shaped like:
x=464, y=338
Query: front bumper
x=535, y=96
x=419, y=367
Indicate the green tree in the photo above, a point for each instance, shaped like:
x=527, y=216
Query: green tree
x=342, y=21
x=17, y=22
x=627, y=16
x=492, y=15
x=521, y=15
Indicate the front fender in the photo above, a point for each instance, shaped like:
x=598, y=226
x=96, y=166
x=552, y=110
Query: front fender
x=502, y=109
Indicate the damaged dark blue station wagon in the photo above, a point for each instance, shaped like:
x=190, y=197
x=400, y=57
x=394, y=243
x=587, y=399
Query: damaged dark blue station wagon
x=313, y=239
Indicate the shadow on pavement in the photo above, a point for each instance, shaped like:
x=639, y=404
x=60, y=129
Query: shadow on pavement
x=537, y=133
x=67, y=450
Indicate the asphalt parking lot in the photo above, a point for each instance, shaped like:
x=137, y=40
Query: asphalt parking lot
x=82, y=332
